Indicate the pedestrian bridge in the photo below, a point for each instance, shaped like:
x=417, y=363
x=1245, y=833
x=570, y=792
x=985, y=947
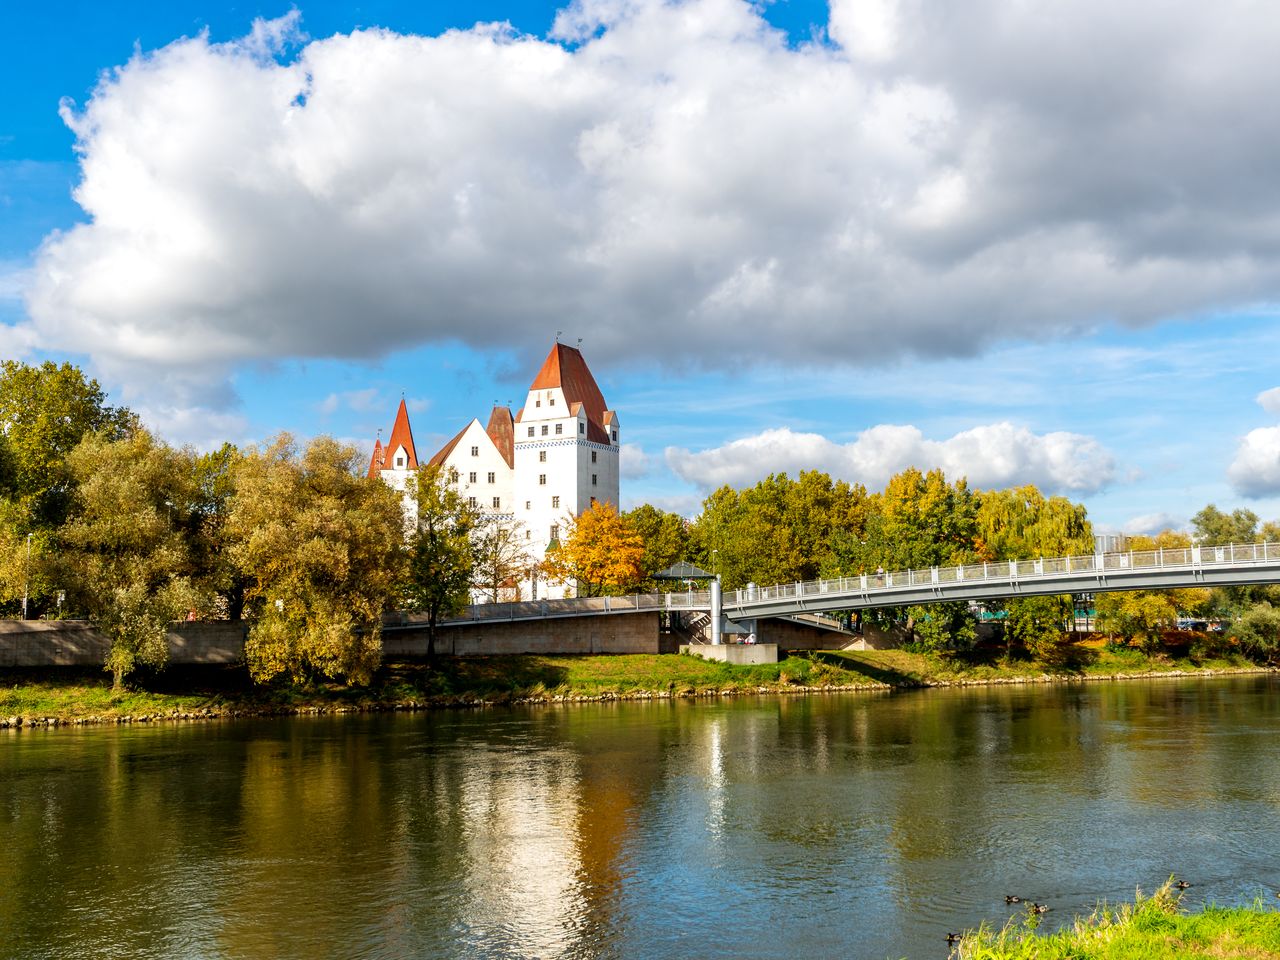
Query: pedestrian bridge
x=1220, y=566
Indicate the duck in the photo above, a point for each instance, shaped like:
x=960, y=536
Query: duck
x=1182, y=884
x=1010, y=898
x=953, y=938
x=1039, y=908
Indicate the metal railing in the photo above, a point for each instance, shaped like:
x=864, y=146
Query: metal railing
x=1079, y=573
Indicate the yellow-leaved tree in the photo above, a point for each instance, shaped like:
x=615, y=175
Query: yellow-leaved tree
x=600, y=551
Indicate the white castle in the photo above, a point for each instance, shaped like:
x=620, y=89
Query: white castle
x=555, y=458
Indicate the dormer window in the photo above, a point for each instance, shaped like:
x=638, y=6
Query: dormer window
x=399, y=461
x=582, y=427
x=615, y=434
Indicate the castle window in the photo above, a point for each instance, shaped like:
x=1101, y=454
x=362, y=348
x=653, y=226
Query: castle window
x=497, y=502
x=582, y=427
x=475, y=451
x=542, y=456
x=555, y=531
x=542, y=479
x=471, y=501
x=528, y=534
x=531, y=431
x=559, y=428
x=593, y=479
x=615, y=434
x=537, y=403
x=555, y=503
x=528, y=504
x=491, y=476
x=593, y=456
x=552, y=401
x=544, y=429
x=399, y=461
x=594, y=501
x=471, y=477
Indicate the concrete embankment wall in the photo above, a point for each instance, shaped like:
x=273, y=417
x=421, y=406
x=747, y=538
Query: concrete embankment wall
x=615, y=633
x=78, y=643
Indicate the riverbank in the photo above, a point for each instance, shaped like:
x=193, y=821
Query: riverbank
x=50, y=697
x=1153, y=928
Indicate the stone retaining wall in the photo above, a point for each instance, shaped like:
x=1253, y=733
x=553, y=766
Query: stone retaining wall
x=78, y=643
x=614, y=633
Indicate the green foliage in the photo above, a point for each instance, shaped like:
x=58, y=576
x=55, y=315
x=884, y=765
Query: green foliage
x=1037, y=623
x=124, y=553
x=1137, y=615
x=1213, y=527
x=45, y=411
x=665, y=535
x=324, y=548
x=1257, y=631
x=1021, y=523
x=441, y=557
x=942, y=627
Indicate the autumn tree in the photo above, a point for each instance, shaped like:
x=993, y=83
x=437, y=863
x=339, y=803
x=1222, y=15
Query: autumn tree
x=124, y=554
x=1257, y=631
x=441, y=554
x=323, y=546
x=600, y=552
x=1037, y=623
x=1143, y=614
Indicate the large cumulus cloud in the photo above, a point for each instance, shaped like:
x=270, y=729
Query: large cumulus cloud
x=931, y=178
x=994, y=455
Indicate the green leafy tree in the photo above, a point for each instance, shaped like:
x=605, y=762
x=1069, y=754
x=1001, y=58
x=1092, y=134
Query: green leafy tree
x=442, y=549
x=1143, y=614
x=1037, y=623
x=1213, y=527
x=324, y=547
x=1258, y=632
x=45, y=411
x=943, y=627
x=207, y=530
x=123, y=551
x=665, y=536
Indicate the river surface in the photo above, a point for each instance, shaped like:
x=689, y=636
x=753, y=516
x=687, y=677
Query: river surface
x=850, y=825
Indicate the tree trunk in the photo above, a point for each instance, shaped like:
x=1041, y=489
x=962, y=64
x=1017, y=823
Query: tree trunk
x=431, y=635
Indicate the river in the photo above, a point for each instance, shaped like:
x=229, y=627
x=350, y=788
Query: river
x=852, y=825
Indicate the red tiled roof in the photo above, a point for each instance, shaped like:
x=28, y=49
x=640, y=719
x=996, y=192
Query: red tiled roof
x=502, y=431
x=375, y=462
x=565, y=368
x=402, y=436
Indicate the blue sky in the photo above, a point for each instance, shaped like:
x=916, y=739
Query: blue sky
x=853, y=238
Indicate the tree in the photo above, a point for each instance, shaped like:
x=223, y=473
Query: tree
x=45, y=411
x=665, y=537
x=1214, y=528
x=940, y=627
x=441, y=549
x=123, y=552
x=1258, y=631
x=1137, y=614
x=501, y=556
x=600, y=552
x=323, y=545
x=214, y=474
x=1037, y=622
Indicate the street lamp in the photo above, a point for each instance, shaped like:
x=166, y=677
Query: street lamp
x=26, y=582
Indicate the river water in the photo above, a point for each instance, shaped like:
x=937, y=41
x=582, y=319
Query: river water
x=853, y=825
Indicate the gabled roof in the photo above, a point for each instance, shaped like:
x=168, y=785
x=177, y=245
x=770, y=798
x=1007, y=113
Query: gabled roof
x=565, y=368
x=447, y=449
x=502, y=431
x=402, y=436
x=375, y=462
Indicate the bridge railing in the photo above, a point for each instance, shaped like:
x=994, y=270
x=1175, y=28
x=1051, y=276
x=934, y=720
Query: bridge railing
x=1015, y=570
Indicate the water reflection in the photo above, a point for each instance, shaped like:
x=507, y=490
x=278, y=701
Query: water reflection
x=862, y=826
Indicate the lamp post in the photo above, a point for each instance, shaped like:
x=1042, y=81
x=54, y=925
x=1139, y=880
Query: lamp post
x=26, y=579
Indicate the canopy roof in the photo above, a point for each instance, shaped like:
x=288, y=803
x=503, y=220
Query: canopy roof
x=684, y=570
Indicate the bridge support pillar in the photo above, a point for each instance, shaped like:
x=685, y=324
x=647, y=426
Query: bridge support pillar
x=717, y=612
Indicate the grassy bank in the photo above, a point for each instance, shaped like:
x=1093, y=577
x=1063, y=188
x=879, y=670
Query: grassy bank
x=79, y=695
x=1152, y=928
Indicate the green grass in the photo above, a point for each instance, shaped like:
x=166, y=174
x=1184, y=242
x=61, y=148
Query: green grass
x=1154, y=928
x=70, y=694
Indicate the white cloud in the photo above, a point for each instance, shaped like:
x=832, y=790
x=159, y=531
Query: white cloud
x=929, y=184
x=369, y=400
x=1269, y=400
x=1255, y=471
x=633, y=461
x=995, y=455
x=1149, y=524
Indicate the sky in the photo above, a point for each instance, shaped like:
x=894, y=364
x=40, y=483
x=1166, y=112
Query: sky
x=1024, y=243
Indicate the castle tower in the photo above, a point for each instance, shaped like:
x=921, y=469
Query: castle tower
x=566, y=453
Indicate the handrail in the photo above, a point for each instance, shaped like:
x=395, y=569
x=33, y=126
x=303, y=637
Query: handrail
x=887, y=584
